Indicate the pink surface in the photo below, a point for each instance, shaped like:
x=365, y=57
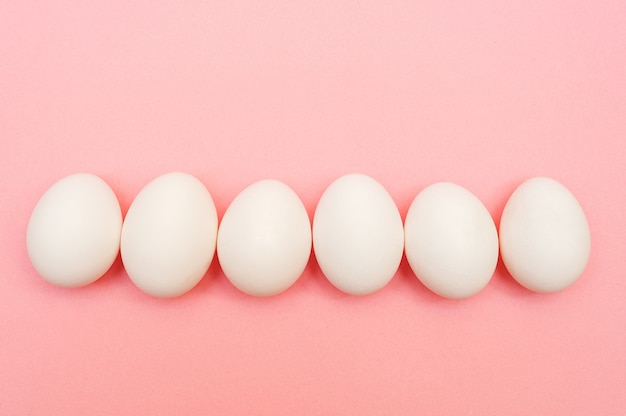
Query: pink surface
x=485, y=95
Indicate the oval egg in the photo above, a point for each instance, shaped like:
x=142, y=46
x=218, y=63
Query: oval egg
x=358, y=237
x=264, y=239
x=169, y=235
x=73, y=235
x=451, y=242
x=544, y=236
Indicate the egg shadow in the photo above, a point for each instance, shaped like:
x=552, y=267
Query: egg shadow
x=210, y=280
x=314, y=279
x=113, y=276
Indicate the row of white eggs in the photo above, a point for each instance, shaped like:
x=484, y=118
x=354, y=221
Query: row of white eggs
x=170, y=234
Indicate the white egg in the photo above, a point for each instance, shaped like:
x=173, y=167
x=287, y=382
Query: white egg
x=264, y=239
x=544, y=236
x=451, y=242
x=73, y=235
x=358, y=236
x=169, y=235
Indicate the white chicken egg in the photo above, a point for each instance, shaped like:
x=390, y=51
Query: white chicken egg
x=73, y=235
x=358, y=236
x=544, y=236
x=451, y=242
x=169, y=235
x=264, y=239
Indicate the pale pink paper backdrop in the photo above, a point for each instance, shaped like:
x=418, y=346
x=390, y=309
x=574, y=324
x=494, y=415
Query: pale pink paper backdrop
x=485, y=94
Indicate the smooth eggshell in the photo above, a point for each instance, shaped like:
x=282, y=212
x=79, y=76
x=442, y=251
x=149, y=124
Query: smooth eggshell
x=73, y=235
x=169, y=235
x=451, y=242
x=358, y=237
x=544, y=236
x=264, y=239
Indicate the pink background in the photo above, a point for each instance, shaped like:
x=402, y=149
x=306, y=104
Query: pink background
x=485, y=94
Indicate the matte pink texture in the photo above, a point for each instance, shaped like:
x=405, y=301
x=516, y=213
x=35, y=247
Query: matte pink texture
x=484, y=94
